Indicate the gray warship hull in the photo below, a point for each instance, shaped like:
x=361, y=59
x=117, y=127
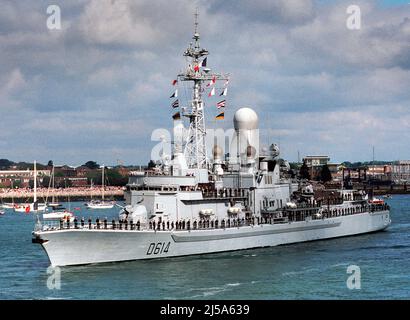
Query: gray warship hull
x=88, y=246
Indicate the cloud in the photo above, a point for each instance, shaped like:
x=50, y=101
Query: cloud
x=280, y=11
x=99, y=86
x=10, y=86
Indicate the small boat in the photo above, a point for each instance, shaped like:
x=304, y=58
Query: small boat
x=29, y=207
x=53, y=204
x=101, y=204
x=2, y=212
x=58, y=215
x=387, y=196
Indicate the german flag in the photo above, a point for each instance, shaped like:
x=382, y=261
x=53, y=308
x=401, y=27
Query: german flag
x=177, y=116
x=220, y=116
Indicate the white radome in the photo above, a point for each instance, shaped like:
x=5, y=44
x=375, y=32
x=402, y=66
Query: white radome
x=245, y=119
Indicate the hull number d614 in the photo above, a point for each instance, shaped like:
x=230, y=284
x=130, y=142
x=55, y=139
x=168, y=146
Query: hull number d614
x=158, y=248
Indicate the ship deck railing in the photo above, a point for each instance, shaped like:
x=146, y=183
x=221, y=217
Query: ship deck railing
x=209, y=224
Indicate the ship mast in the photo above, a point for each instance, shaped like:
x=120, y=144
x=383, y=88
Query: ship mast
x=195, y=143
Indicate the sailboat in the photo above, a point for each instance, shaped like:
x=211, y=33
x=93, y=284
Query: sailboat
x=59, y=213
x=100, y=204
x=35, y=206
x=53, y=202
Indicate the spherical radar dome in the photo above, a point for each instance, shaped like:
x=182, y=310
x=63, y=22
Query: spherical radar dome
x=245, y=119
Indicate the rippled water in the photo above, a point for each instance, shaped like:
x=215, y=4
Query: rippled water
x=314, y=270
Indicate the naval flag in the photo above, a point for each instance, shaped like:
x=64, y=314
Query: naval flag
x=212, y=93
x=224, y=92
x=212, y=82
x=221, y=104
x=203, y=62
x=175, y=94
x=220, y=116
x=175, y=104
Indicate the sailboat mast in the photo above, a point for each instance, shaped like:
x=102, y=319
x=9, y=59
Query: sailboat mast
x=53, y=198
x=103, y=182
x=12, y=192
x=35, y=181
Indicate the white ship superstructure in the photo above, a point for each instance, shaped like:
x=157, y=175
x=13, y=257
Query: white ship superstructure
x=196, y=203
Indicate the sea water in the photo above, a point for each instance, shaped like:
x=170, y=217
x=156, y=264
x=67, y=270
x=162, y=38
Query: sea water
x=313, y=270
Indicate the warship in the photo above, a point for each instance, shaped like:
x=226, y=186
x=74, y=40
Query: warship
x=200, y=202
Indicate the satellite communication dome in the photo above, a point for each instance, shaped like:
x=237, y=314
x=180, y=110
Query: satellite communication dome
x=245, y=119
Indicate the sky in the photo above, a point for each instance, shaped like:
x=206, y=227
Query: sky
x=98, y=87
